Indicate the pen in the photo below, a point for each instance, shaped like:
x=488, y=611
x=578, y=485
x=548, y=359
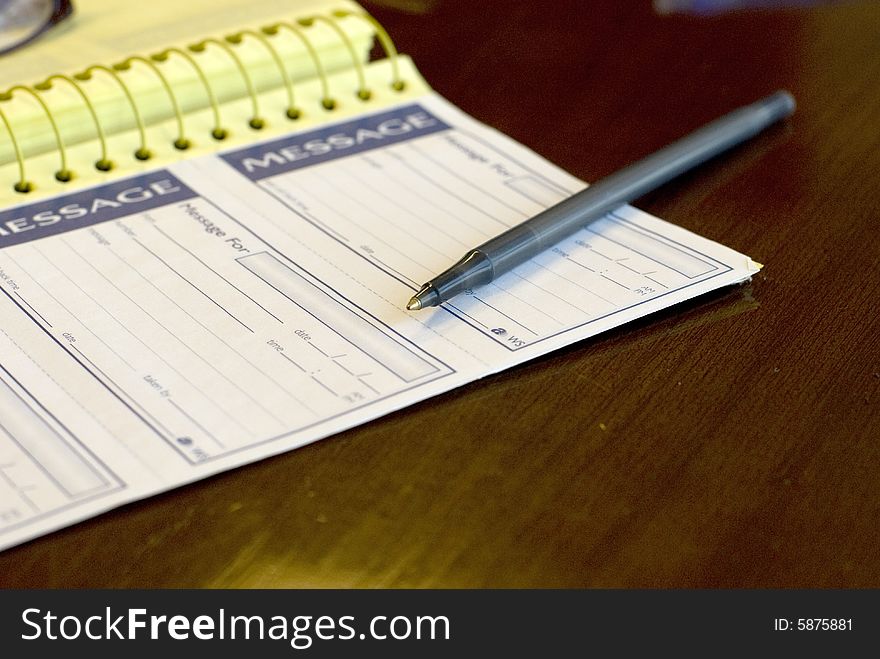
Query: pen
x=520, y=243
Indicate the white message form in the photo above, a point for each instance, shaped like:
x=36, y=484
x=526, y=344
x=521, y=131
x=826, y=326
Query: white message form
x=171, y=325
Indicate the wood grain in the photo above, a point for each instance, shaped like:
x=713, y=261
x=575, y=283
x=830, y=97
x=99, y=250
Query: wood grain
x=729, y=441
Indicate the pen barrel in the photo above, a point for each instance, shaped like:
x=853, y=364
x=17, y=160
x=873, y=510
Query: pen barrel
x=474, y=269
x=541, y=232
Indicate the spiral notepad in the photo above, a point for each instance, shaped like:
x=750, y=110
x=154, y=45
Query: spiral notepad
x=305, y=64
x=212, y=239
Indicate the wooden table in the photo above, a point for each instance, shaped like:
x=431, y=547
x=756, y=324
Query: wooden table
x=729, y=441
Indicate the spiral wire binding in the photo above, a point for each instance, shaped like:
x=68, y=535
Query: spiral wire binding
x=256, y=122
x=181, y=142
x=142, y=153
x=362, y=92
x=327, y=101
x=63, y=174
x=397, y=83
x=218, y=132
x=104, y=163
x=292, y=112
x=23, y=185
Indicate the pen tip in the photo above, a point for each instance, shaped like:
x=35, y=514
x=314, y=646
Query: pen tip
x=414, y=304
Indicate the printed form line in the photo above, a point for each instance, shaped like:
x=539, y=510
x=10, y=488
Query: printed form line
x=207, y=432
x=88, y=412
x=190, y=252
x=275, y=190
x=13, y=485
x=63, y=306
x=363, y=228
x=404, y=211
x=174, y=336
x=367, y=209
x=439, y=165
x=517, y=322
x=225, y=343
x=132, y=400
x=448, y=192
x=172, y=269
x=32, y=309
x=414, y=188
x=132, y=334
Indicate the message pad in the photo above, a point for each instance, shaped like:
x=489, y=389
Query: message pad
x=178, y=323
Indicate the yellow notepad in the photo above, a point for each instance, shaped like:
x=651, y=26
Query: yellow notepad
x=180, y=71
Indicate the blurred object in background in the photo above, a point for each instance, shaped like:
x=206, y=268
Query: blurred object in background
x=719, y=6
x=408, y=6
x=21, y=21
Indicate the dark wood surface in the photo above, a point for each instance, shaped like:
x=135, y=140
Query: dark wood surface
x=730, y=441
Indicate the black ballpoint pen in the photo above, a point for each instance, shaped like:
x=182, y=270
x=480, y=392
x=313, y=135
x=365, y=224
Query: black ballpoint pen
x=520, y=243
